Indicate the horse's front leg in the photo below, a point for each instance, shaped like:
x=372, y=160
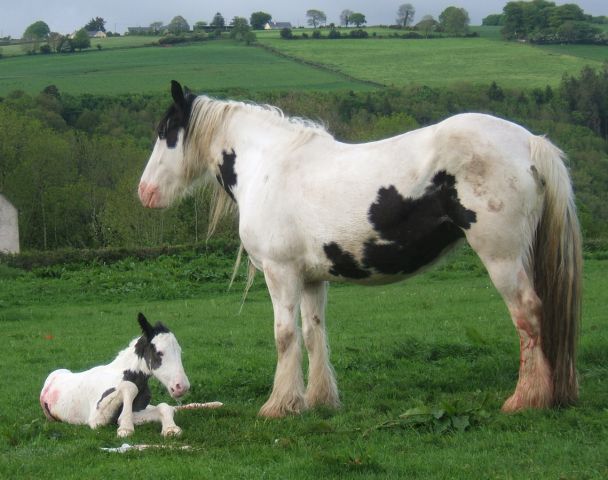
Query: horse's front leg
x=322, y=388
x=285, y=286
x=162, y=413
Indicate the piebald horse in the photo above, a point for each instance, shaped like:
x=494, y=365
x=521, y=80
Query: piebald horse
x=312, y=210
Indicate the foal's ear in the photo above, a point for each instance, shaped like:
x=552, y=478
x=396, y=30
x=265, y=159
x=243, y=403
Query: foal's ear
x=187, y=91
x=146, y=328
x=177, y=93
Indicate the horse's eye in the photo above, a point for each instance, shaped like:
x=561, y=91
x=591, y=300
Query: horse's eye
x=160, y=354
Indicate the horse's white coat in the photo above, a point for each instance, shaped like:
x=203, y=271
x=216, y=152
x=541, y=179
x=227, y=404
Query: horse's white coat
x=298, y=190
x=78, y=398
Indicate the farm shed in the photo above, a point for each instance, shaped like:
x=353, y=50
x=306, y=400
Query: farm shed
x=9, y=227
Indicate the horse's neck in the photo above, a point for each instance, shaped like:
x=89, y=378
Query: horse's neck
x=127, y=359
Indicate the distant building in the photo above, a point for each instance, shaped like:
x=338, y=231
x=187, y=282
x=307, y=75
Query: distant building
x=277, y=25
x=96, y=34
x=9, y=227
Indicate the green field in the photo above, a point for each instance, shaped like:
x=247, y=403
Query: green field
x=441, y=340
x=437, y=62
x=121, y=66
x=207, y=66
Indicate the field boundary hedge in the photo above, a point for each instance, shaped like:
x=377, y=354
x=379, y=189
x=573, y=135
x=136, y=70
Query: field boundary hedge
x=35, y=258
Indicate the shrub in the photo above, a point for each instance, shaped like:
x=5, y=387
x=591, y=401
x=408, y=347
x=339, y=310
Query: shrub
x=359, y=33
x=333, y=33
x=316, y=34
x=46, y=49
x=286, y=33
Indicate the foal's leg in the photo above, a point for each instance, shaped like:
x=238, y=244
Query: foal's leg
x=128, y=391
x=535, y=387
x=285, y=286
x=162, y=413
x=322, y=388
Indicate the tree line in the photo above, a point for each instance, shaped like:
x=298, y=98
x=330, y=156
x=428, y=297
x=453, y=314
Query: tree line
x=71, y=164
x=541, y=21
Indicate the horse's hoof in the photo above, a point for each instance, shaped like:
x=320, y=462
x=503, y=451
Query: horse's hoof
x=174, y=431
x=124, y=432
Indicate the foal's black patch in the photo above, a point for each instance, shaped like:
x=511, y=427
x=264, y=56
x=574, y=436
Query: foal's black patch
x=105, y=394
x=176, y=117
x=140, y=379
x=411, y=232
x=227, y=175
x=144, y=348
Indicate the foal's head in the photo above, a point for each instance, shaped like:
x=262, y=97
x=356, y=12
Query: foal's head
x=163, y=356
x=165, y=176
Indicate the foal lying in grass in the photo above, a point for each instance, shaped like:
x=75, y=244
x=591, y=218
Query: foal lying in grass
x=119, y=392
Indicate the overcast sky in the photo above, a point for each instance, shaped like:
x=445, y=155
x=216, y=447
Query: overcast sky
x=66, y=16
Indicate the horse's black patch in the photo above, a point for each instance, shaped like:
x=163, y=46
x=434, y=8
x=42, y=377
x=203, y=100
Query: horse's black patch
x=177, y=116
x=140, y=379
x=343, y=263
x=144, y=348
x=105, y=394
x=411, y=232
x=227, y=175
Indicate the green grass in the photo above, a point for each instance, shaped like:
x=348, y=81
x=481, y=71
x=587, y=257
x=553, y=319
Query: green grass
x=441, y=339
x=437, y=62
x=206, y=66
x=596, y=53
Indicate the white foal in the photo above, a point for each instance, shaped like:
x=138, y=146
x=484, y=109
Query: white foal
x=119, y=392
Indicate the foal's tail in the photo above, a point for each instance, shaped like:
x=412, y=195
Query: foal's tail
x=557, y=262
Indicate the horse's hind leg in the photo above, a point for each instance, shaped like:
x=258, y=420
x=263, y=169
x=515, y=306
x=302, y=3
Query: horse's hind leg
x=322, y=388
x=535, y=387
x=285, y=287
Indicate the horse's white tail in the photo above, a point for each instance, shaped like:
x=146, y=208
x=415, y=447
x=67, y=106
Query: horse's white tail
x=557, y=263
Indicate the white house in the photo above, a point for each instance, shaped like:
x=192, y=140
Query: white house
x=9, y=227
x=277, y=25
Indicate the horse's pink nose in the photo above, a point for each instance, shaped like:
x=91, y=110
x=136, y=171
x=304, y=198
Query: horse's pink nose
x=148, y=195
x=179, y=390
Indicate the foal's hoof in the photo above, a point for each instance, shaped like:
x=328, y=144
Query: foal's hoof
x=174, y=431
x=124, y=432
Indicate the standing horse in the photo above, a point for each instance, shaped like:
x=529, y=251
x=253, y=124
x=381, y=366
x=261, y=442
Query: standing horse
x=119, y=392
x=312, y=209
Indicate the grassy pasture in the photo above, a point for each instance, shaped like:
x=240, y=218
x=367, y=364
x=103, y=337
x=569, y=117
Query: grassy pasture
x=207, y=66
x=438, y=62
x=442, y=339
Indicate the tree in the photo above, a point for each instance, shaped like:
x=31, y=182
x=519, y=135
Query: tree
x=37, y=31
x=315, y=17
x=178, y=25
x=454, y=21
x=345, y=17
x=259, y=19
x=240, y=28
x=427, y=25
x=218, y=21
x=80, y=40
x=96, y=24
x=358, y=19
x=405, y=14
x=156, y=27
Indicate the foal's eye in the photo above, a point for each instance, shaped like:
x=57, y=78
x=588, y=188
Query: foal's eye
x=160, y=354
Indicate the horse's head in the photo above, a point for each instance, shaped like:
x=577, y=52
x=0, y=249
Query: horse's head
x=164, y=178
x=163, y=356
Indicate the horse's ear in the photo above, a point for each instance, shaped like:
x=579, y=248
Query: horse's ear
x=177, y=93
x=187, y=91
x=146, y=328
